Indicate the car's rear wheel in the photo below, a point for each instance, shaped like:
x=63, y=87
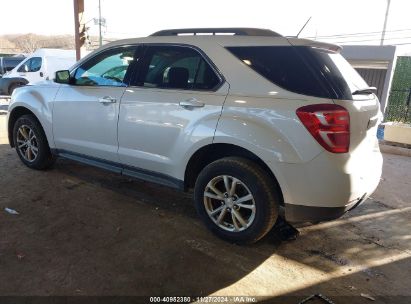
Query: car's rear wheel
x=31, y=143
x=236, y=199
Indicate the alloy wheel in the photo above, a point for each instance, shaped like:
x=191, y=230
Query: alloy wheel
x=27, y=143
x=229, y=203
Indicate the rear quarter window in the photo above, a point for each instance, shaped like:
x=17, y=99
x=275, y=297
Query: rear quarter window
x=303, y=70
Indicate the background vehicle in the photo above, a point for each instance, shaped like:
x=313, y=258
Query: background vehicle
x=41, y=65
x=254, y=122
x=9, y=63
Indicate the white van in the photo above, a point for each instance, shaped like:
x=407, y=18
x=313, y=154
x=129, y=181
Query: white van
x=39, y=66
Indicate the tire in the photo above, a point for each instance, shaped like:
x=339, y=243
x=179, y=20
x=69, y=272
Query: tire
x=14, y=86
x=43, y=159
x=251, y=178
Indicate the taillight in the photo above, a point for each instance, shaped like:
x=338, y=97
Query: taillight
x=329, y=124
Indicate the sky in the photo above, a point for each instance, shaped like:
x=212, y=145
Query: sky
x=128, y=18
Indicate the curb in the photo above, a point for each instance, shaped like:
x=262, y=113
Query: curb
x=395, y=150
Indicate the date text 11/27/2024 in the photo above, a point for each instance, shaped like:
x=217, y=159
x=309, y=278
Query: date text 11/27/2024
x=205, y=299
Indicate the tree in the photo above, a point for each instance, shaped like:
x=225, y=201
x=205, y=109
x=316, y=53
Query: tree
x=28, y=43
x=6, y=46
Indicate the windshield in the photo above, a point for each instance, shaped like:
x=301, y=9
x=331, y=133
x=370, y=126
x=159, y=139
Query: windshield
x=302, y=69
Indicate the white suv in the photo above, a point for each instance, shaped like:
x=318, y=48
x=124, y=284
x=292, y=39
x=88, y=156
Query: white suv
x=254, y=122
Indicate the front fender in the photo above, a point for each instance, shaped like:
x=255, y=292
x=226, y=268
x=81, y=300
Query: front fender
x=39, y=101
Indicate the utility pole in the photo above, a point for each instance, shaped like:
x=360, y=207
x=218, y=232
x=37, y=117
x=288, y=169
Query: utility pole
x=385, y=22
x=79, y=26
x=99, y=22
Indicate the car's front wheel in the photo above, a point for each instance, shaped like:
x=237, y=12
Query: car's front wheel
x=236, y=199
x=31, y=143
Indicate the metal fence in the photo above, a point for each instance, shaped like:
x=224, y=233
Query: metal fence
x=399, y=106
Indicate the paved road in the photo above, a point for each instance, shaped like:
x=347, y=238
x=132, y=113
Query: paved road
x=4, y=104
x=84, y=231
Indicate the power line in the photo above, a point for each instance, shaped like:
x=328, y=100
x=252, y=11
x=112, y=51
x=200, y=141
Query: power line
x=377, y=39
x=401, y=43
x=321, y=36
x=358, y=34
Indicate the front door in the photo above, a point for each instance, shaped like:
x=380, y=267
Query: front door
x=32, y=69
x=85, y=112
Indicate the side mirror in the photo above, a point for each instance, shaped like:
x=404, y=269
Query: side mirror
x=62, y=77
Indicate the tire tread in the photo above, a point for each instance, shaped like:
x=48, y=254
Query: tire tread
x=264, y=181
x=46, y=158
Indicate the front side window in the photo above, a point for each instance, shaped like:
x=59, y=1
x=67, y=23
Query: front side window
x=31, y=65
x=106, y=69
x=175, y=67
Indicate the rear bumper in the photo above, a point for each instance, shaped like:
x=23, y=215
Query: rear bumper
x=329, y=185
x=302, y=214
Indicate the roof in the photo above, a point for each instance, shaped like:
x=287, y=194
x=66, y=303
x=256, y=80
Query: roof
x=224, y=40
x=243, y=37
x=237, y=31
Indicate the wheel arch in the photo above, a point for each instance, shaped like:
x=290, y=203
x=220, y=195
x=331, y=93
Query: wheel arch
x=37, y=101
x=16, y=80
x=15, y=114
x=212, y=152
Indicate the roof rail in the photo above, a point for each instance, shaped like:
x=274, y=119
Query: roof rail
x=237, y=31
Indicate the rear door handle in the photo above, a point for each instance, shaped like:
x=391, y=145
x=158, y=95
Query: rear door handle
x=107, y=99
x=191, y=103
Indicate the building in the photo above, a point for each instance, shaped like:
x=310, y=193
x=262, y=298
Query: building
x=376, y=64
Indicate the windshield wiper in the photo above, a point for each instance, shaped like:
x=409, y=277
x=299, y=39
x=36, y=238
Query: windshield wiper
x=365, y=91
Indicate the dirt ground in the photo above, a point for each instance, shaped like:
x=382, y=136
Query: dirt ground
x=84, y=231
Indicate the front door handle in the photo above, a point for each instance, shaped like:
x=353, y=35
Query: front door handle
x=107, y=99
x=191, y=103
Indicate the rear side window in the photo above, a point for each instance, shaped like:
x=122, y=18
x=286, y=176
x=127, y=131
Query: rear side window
x=176, y=67
x=304, y=70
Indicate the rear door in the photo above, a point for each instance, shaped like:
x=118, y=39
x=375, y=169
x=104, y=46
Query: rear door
x=173, y=105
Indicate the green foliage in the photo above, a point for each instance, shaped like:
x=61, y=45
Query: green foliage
x=397, y=109
x=402, y=74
